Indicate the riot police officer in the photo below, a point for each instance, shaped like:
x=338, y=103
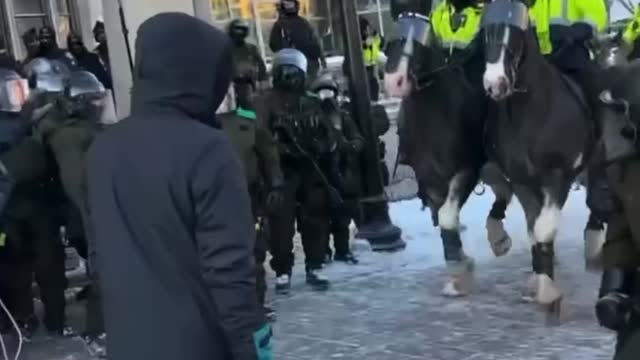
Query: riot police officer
x=254, y=144
x=248, y=65
x=618, y=307
x=293, y=31
x=345, y=169
x=68, y=130
x=28, y=230
x=305, y=140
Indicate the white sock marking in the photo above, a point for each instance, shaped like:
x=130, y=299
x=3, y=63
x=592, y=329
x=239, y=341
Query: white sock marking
x=547, y=223
x=449, y=212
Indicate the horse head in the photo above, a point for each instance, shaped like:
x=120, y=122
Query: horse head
x=409, y=54
x=505, y=25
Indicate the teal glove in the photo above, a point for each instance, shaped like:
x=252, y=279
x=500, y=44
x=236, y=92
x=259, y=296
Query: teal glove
x=262, y=341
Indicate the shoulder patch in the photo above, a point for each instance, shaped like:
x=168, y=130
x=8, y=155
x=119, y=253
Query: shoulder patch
x=247, y=114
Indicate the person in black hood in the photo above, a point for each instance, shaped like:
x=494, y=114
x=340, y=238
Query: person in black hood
x=293, y=31
x=169, y=206
x=88, y=60
x=100, y=35
x=31, y=44
x=49, y=48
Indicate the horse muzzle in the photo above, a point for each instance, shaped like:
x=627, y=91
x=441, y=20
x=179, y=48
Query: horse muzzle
x=496, y=83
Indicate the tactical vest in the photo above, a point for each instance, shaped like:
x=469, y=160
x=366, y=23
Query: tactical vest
x=546, y=13
x=371, y=52
x=240, y=127
x=632, y=30
x=450, y=34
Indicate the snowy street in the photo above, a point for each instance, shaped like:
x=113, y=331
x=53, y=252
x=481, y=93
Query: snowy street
x=389, y=306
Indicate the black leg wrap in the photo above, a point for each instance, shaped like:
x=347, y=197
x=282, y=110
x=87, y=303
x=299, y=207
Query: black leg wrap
x=498, y=210
x=542, y=258
x=452, y=245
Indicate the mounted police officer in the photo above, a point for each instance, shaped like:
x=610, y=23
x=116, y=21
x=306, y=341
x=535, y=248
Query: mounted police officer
x=564, y=29
x=248, y=65
x=254, y=143
x=345, y=170
x=631, y=34
x=455, y=24
x=305, y=140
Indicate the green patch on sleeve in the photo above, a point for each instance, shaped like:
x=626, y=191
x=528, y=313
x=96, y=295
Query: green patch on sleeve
x=247, y=114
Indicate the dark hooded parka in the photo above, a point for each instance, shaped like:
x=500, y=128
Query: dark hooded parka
x=174, y=233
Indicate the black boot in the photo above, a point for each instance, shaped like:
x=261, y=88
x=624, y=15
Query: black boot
x=28, y=328
x=96, y=345
x=283, y=284
x=615, y=305
x=269, y=313
x=316, y=280
x=347, y=258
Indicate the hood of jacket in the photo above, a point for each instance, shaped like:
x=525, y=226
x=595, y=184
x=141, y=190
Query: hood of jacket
x=181, y=64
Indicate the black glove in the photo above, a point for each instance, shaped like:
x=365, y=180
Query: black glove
x=356, y=145
x=276, y=196
x=581, y=32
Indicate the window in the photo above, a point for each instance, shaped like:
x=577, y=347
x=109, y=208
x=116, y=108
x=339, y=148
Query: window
x=220, y=10
x=5, y=39
x=29, y=14
x=64, y=23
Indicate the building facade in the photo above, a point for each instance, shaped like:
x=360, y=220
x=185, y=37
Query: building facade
x=19, y=16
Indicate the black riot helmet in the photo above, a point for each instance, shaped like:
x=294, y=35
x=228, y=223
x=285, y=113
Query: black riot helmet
x=289, y=7
x=84, y=95
x=422, y=7
x=239, y=30
x=99, y=33
x=14, y=91
x=289, y=70
x=47, y=75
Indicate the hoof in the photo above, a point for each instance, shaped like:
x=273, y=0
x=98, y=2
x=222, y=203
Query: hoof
x=499, y=239
x=529, y=292
x=547, y=294
x=553, y=311
x=460, y=278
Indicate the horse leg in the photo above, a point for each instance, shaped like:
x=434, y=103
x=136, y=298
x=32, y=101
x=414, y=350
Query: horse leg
x=552, y=197
x=594, y=239
x=499, y=239
x=599, y=201
x=459, y=266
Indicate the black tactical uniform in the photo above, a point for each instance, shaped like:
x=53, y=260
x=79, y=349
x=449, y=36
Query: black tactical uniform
x=30, y=240
x=248, y=65
x=305, y=140
x=68, y=130
x=619, y=303
x=253, y=141
x=346, y=168
x=293, y=31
